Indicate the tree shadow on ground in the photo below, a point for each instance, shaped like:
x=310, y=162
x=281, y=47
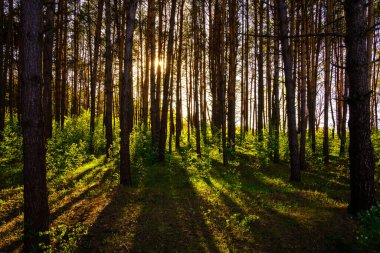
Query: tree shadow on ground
x=290, y=221
x=164, y=214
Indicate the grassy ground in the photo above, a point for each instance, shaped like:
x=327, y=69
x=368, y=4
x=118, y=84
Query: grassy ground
x=189, y=205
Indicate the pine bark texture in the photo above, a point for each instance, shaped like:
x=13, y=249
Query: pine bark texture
x=361, y=152
x=36, y=209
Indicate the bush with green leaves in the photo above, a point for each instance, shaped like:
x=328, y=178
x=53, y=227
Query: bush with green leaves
x=70, y=147
x=64, y=238
x=11, y=145
x=368, y=232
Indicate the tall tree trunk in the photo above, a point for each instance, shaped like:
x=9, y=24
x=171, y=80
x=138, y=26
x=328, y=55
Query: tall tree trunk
x=327, y=84
x=126, y=98
x=154, y=111
x=36, y=208
x=58, y=64
x=371, y=28
x=108, y=84
x=94, y=71
x=246, y=66
x=7, y=59
x=48, y=68
x=275, y=120
x=361, y=152
x=260, y=63
x=344, y=118
x=11, y=59
x=222, y=81
x=64, y=64
x=2, y=83
x=232, y=4
x=196, y=76
x=74, y=105
x=165, y=100
x=302, y=113
x=179, y=87
x=290, y=91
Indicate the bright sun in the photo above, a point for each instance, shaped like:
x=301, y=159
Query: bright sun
x=158, y=62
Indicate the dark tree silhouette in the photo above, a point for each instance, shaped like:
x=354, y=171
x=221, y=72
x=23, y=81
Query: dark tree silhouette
x=36, y=209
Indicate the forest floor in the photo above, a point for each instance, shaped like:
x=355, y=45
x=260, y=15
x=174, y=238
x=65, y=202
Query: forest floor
x=189, y=205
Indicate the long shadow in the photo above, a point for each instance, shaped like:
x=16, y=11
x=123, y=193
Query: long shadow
x=165, y=214
x=327, y=180
x=96, y=187
x=284, y=233
x=15, y=246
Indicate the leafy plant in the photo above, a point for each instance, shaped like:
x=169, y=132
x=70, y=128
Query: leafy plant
x=368, y=232
x=11, y=145
x=64, y=238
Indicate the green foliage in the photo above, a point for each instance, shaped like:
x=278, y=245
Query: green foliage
x=141, y=146
x=69, y=148
x=243, y=222
x=11, y=146
x=64, y=238
x=368, y=233
x=376, y=147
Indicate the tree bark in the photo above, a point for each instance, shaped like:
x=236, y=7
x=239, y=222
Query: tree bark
x=2, y=83
x=361, y=152
x=179, y=87
x=48, y=68
x=74, y=102
x=108, y=84
x=126, y=99
x=232, y=75
x=260, y=63
x=36, y=209
x=165, y=100
x=290, y=91
x=94, y=71
x=327, y=84
x=275, y=120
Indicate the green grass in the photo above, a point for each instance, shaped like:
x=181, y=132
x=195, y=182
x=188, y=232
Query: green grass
x=189, y=205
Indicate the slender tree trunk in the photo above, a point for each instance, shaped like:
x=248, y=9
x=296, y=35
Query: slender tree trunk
x=232, y=4
x=48, y=68
x=165, y=100
x=290, y=91
x=74, y=105
x=327, y=84
x=64, y=65
x=371, y=23
x=7, y=59
x=36, y=209
x=344, y=118
x=179, y=87
x=126, y=99
x=11, y=60
x=94, y=71
x=275, y=138
x=302, y=113
x=222, y=82
x=196, y=76
x=154, y=111
x=58, y=65
x=246, y=62
x=361, y=151
x=260, y=63
x=2, y=82
x=108, y=84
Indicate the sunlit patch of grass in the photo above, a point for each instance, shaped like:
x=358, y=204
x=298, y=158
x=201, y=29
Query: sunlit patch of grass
x=76, y=196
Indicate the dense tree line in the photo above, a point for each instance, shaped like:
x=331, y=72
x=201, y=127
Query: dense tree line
x=248, y=67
